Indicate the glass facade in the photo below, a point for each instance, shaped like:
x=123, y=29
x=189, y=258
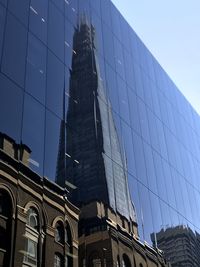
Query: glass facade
x=81, y=90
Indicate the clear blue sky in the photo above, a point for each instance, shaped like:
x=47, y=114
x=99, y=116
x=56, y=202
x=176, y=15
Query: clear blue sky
x=171, y=31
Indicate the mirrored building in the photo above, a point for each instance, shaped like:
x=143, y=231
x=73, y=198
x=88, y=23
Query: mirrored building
x=101, y=118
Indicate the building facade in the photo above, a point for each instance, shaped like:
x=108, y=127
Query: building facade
x=180, y=245
x=38, y=225
x=101, y=118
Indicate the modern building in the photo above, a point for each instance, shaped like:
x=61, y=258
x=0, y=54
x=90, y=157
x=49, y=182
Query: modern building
x=103, y=120
x=180, y=246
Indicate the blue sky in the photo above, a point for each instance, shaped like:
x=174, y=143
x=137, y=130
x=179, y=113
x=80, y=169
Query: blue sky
x=171, y=31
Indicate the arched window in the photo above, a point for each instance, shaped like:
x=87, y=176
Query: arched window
x=5, y=227
x=32, y=238
x=58, y=260
x=118, y=262
x=95, y=260
x=59, y=232
x=69, y=248
x=125, y=261
x=32, y=219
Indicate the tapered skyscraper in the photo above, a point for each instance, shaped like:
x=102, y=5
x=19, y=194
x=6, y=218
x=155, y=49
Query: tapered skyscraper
x=91, y=136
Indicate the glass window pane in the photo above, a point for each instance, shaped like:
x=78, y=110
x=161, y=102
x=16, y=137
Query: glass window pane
x=3, y=2
x=2, y=24
x=108, y=45
x=55, y=85
x=33, y=133
x=38, y=18
x=21, y=11
x=71, y=11
x=59, y=4
x=55, y=36
x=54, y=147
x=36, y=69
x=143, y=110
x=69, y=46
x=123, y=100
x=139, y=159
x=112, y=89
x=128, y=147
x=119, y=58
x=11, y=101
x=14, y=56
x=105, y=12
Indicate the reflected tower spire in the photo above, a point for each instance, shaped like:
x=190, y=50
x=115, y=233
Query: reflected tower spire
x=94, y=161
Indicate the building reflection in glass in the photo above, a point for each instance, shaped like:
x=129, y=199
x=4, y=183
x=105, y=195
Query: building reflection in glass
x=94, y=159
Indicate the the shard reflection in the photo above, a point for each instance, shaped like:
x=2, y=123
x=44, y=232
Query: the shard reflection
x=94, y=160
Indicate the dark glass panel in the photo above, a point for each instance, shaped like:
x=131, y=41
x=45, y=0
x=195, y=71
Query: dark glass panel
x=134, y=114
x=134, y=45
x=33, y=132
x=165, y=213
x=84, y=9
x=138, y=81
x=96, y=5
x=3, y=2
x=178, y=193
x=71, y=10
x=21, y=11
x=169, y=184
x=2, y=24
x=97, y=24
x=11, y=101
x=161, y=139
x=160, y=177
x=55, y=36
x=14, y=56
x=146, y=213
x=111, y=83
x=123, y=100
x=108, y=45
x=174, y=217
x=188, y=200
x=59, y=4
x=153, y=130
x=156, y=105
x=105, y=12
x=133, y=185
x=115, y=17
x=109, y=166
x=156, y=213
x=69, y=34
x=128, y=147
x=55, y=85
x=143, y=120
x=36, y=69
x=38, y=19
x=125, y=32
x=129, y=73
x=53, y=145
x=163, y=108
x=139, y=159
x=119, y=58
x=151, y=175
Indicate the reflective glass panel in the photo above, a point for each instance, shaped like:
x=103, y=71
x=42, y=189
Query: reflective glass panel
x=36, y=69
x=55, y=85
x=10, y=108
x=55, y=36
x=38, y=18
x=2, y=22
x=33, y=133
x=14, y=56
x=21, y=11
